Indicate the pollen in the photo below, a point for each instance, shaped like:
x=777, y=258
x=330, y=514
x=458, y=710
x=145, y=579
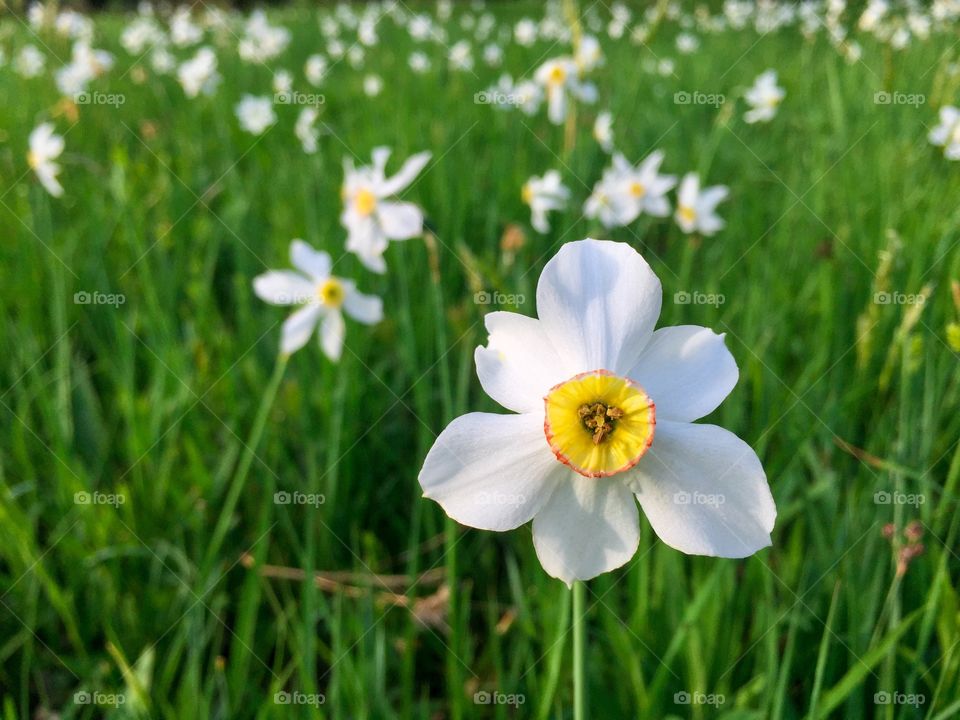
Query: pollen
x=687, y=213
x=598, y=423
x=364, y=201
x=526, y=194
x=557, y=75
x=638, y=189
x=330, y=293
x=32, y=160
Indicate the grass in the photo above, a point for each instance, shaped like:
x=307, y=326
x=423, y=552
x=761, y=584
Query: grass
x=186, y=599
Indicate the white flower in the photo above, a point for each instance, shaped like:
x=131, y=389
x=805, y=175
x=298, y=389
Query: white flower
x=947, y=132
x=696, y=206
x=183, y=31
x=141, y=33
x=764, y=97
x=45, y=147
x=261, y=40
x=528, y=96
x=372, y=85
x=625, y=192
x=322, y=298
x=418, y=62
x=255, y=113
x=372, y=220
x=603, y=131
x=199, y=74
x=306, y=130
x=605, y=418
x=559, y=78
x=525, y=32
x=461, y=56
x=493, y=55
x=29, y=62
x=589, y=54
x=687, y=43
x=544, y=194
x=315, y=69
x=282, y=82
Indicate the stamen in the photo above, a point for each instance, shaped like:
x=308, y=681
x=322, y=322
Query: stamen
x=597, y=418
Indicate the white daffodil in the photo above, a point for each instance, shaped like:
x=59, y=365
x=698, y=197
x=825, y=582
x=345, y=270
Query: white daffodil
x=315, y=69
x=461, y=56
x=696, y=206
x=372, y=85
x=589, y=54
x=559, y=78
x=30, y=62
x=605, y=419
x=764, y=97
x=306, y=129
x=199, y=75
x=525, y=32
x=544, y=194
x=418, y=62
x=493, y=55
x=625, y=192
x=603, y=131
x=372, y=220
x=322, y=299
x=947, y=132
x=45, y=147
x=255, y=114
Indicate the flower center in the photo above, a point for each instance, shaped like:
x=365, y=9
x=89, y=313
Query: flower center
x=526, y=194
x=557, y=75
x=33, y=160
x=364, y=201
x=687, y=213
x=330, y=293
x=598, y=423
x=637, y=189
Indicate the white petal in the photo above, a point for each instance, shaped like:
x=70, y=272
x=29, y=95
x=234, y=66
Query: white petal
x=519, y=365
x=332, y=333
x=687, y=371
x=598, y=302
x=408, y=173
x=314, y=263
x=298, y=328
x=283, y=287
x=400, y=220
x=590, y=526
x=493, y=472
x=367, y=309
x=704, y=491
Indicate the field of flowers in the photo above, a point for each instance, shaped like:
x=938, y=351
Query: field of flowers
x=266, y=396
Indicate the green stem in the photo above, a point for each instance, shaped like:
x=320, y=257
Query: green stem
x=243, y=467
x=579, y=645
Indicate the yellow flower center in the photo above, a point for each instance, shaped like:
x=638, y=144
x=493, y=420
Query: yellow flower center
x=557, y=75
x=598, y=423
x=526, y=193
x=32, y=160
x=364, y=201
x=687, y=213
x=331, y=293
x=637, y=189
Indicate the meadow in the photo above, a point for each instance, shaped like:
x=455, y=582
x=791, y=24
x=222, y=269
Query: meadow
x=170, y=483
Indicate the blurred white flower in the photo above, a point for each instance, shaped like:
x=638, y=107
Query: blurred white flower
x=372, y=85
x=589, y=54
x=696, y=206
x=321, y=297
x=255, y=113
x=603, y=131
x=764, y=97
x=687, y=43
x=493, y=55
x=559, y=77
x=45, y=147
x=306, y=129
x=183, y=31
x=29, y=62
x=525, y=32
x=262, y=41
x=372, y=220
x=544, y=194
x=461, y=56
x=625, y=192
x=199, y=74
x=282, y=82
x=946, y=134
x=315, y=69
x=605, y=409
x=419, y=62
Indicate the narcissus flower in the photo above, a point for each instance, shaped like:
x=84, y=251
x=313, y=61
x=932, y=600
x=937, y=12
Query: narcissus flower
x=544, y=194
x=371, y=219
x=764, y=97
x=605, y=418
x=696, y=206
x=947, y=132
x=321, y=297
x=559, y=78
x=45, y=147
